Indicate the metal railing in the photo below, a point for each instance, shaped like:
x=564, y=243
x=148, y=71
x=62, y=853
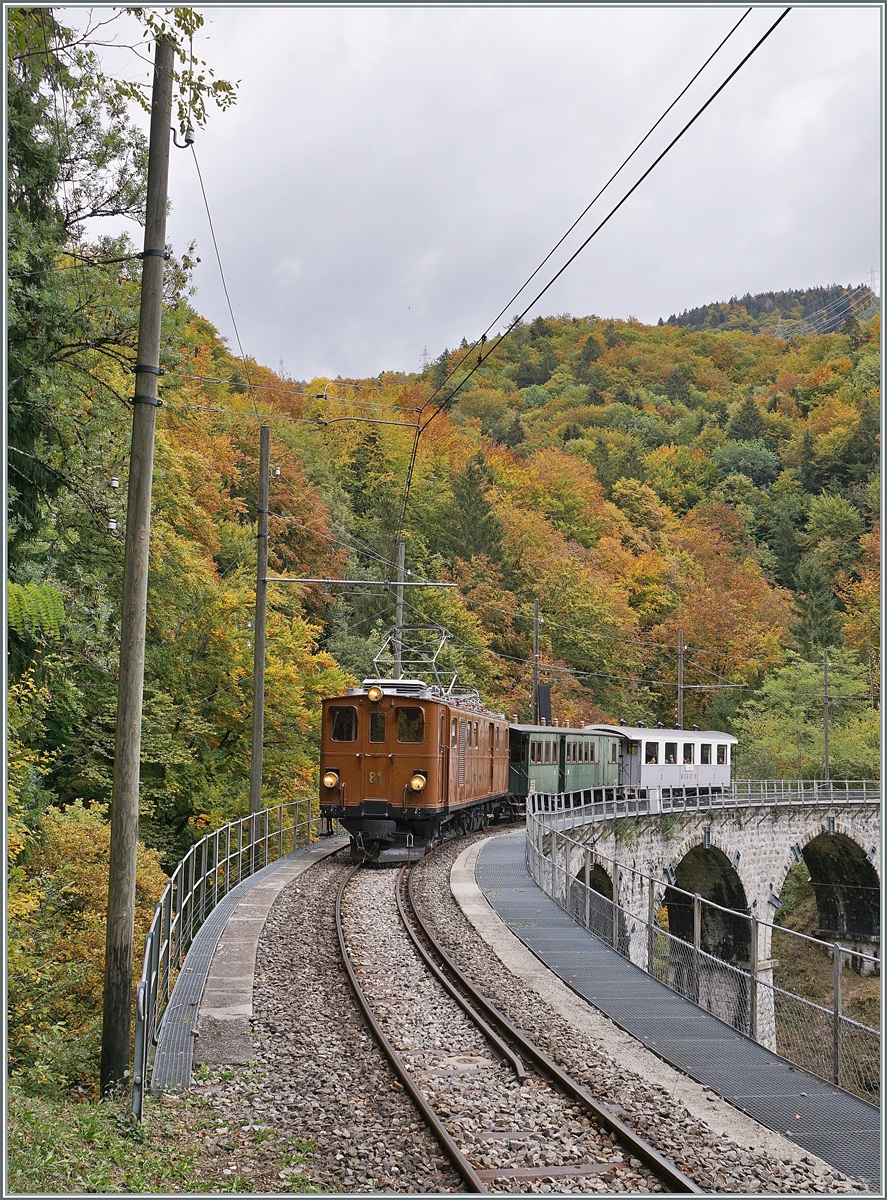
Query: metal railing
x=635, y=918
x=207, y=873
x=603, y=802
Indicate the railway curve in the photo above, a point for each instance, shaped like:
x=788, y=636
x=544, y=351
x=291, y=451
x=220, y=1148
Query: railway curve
x=317, y=1081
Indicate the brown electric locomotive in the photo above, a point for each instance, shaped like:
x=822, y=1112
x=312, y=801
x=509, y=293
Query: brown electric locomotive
x=404, y=764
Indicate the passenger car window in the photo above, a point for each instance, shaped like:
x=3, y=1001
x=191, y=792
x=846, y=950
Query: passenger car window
x=410, y=725
x=377, y=727
x=689, y=747
x=722, y=756
x=671, y=753
x=705, y=754
x=343, y=721
x=651, y=753
x=592, y=753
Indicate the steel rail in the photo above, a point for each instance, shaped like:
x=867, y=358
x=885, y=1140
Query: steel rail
x=472, y=1180
x=663, y=1167
x=503, y=1050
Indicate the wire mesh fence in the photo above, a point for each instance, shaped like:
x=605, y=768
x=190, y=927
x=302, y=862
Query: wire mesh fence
x=682, y=941
x=208, y=872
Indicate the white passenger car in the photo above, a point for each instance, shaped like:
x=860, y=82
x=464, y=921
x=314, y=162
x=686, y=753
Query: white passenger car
x=689, y=760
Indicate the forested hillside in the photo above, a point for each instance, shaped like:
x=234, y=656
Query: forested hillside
x=786, y=314
x=638, y=480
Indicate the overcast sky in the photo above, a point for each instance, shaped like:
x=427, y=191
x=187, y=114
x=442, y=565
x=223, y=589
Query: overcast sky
x=391, y=175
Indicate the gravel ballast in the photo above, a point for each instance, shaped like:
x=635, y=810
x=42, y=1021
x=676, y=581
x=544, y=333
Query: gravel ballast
x=319, y=1102
x=714, y=1163
x=498, y=1122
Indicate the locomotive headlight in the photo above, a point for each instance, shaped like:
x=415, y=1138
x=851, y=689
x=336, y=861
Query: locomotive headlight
x=375, y=694
x=331, y=779
x=418, y=782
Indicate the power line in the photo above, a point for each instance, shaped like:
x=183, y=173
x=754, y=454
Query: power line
x=598, y=195
x=222, y=274
x=484, y=355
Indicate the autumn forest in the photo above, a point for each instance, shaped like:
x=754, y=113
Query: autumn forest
x=702, y=475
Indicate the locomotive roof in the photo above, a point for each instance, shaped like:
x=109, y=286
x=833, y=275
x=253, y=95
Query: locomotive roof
x=470, y=701
x=638, y=732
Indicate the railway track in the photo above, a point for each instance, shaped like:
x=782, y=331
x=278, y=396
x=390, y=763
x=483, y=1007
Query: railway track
x=508, y=1117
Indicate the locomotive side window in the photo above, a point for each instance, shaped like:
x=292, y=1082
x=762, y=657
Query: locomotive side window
x=343, y=720
x=455, y=737
x=722, y=756
x=377, y=726
x=651, y=753
x=671, y=753
x=410, y=725
x=688, y=752
x=705, y=754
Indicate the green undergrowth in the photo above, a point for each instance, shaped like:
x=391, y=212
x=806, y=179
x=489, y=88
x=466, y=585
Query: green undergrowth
x=182, y=1146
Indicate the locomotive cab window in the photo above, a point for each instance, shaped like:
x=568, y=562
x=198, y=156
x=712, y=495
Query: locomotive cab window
x=689, y=747
x=410, y=725
x=377, y=726
x=671, y=753
x=651, y=753
x=343, y=723
x=705, y=754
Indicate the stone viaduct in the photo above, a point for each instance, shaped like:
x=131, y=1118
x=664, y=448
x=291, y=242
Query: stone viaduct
x=737, y=859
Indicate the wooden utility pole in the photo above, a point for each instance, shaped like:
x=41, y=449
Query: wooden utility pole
x=536, y=661
x=255, y=762
x=680, y=721
x=825, y=755
x=398, y=611
x=117, y=1003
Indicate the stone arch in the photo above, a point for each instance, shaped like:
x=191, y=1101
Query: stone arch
x=846, y=887
x=708, y=872
x=704, y=976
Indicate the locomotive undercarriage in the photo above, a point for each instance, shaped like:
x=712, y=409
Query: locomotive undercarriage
x=395, y=836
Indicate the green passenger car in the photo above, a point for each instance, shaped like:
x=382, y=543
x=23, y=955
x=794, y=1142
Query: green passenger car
x=549, y=758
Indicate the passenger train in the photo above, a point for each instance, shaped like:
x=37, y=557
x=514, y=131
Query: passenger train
x=405, y=764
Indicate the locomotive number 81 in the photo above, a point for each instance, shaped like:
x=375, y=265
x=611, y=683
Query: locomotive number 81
x=404, y=764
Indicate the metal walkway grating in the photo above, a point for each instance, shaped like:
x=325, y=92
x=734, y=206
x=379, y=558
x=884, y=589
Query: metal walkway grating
x=835, y=1125
x=175, y=1039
